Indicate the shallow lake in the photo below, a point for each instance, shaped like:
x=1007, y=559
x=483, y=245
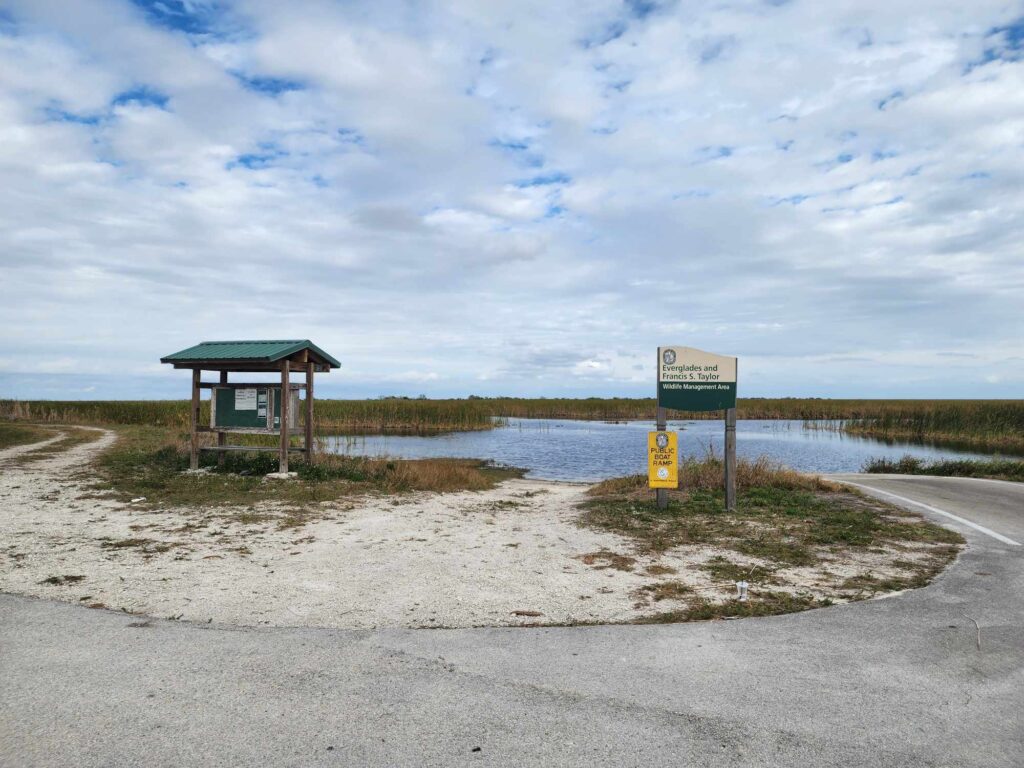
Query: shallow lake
x=557, y=449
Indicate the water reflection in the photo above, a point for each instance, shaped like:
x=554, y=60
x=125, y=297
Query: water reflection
x=558, y=449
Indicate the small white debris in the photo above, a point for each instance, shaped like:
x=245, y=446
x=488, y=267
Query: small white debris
x=741, y=591
x=282, y=475
x=136, y=501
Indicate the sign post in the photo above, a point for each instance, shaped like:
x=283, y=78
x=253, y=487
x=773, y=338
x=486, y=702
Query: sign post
x=730, y=459
x=693, y=380
x=661, y=419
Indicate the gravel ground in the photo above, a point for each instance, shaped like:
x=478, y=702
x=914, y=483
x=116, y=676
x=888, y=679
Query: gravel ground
x=509, y=556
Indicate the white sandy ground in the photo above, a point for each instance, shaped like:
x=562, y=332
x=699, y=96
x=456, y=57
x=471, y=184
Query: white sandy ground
x=426, y=560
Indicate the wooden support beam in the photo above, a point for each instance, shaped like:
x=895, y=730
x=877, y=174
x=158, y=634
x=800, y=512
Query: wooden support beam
x=248, y=384
x=193, y=459
x=310, y=437
x=222, y=439
x=243, y=367
x=285, y=403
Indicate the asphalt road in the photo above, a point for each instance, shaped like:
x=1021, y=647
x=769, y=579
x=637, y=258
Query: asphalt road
x=892, y=682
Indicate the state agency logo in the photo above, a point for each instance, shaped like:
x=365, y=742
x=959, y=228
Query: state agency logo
x=669, y=356
x=663, y=473
x=662, y=441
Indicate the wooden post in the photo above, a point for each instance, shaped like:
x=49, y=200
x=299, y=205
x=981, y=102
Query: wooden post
x=310, y=437
x=193, y=459
x=661, y=494
x=222, y=438
x=285, y=398
x=730, y=459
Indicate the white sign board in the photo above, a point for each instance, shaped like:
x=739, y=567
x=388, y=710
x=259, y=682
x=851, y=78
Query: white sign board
x=694, y=380
x=245, y=399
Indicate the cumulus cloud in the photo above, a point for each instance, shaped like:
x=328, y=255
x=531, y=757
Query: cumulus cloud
x=516, y=197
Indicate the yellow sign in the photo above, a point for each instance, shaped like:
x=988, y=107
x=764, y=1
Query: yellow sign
x=663, y=459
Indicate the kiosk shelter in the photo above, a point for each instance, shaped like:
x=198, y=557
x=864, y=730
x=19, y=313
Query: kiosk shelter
x=264, y=408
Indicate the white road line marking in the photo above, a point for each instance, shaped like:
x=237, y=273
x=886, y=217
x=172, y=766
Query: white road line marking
x=936, y=510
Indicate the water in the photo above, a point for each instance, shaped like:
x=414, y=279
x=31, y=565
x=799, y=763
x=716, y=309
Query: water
x=561, y=449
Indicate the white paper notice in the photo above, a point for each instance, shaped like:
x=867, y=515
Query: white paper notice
x=245, y=399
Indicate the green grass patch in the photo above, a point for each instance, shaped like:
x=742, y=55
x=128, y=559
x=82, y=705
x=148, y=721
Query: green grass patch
x=150, y=462
x=72, y=437
x=723, y=569
x=781, y=517
x=998, y=469
x=14, y=433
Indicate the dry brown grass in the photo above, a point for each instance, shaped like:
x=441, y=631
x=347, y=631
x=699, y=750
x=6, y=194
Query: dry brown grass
x=605, y=558
x=706, y=475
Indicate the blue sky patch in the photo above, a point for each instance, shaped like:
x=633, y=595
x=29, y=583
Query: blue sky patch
x=193, y=17
x=143, y=96
x=54, y=113
x=1008, y=45
x=641, y=9
x=542, y=180
x=271, y=86
x=267, y=156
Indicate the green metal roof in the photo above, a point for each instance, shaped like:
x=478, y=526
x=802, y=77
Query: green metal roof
x=252, y=351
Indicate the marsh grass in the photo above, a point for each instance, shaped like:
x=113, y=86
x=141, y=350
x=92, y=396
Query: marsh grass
x=999, y=469
x=333, y=417
x=150, y=462
x=987, y=424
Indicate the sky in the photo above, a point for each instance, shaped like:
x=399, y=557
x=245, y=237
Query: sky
x=512, y=197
